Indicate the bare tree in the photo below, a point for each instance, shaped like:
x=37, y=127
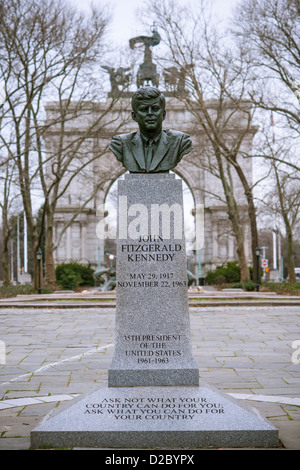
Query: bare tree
x=289, y=203
x=8, y=196
x=217, y=79
x=49, y=52
x=222, y=170
x=269, y=31
x=282, y=198
x=70, y=152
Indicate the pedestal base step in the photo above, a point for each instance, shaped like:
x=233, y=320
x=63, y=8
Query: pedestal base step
x=156, y=417
x=152, y=377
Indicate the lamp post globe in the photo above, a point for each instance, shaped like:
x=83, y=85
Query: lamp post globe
x=257, y=252
x=39, y=257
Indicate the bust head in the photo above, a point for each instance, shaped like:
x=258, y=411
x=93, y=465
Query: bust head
x=147, y=93
x=148, y=110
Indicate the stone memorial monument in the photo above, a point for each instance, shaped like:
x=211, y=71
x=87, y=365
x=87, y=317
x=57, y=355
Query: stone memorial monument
x=153, y=344
x=153, y=397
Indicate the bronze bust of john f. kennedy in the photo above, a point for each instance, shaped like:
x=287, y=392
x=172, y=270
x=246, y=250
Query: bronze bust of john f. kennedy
x=151, y=149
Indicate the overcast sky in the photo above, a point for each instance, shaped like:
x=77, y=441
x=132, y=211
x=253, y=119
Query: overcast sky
x=125, y=25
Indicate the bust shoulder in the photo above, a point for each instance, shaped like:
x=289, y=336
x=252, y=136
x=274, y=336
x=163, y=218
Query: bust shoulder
x=176, y=134
x=124, y=137
x=182, y=139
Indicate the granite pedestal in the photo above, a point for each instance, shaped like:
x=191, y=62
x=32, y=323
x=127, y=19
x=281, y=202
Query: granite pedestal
x=153, y=397
x=153, y=342
x=156, y=417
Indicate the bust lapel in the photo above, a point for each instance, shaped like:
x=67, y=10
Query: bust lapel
x=138, y=151
x=163, y=147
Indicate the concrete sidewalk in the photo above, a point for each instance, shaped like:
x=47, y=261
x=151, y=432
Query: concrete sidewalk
x=55, y=354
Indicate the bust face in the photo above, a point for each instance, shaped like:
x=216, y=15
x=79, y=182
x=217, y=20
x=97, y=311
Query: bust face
x=149, y=114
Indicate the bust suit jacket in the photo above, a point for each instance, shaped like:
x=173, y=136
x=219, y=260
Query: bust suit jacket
x=128, y=148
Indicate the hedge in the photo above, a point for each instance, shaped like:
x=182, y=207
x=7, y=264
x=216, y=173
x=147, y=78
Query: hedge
x=71, y=275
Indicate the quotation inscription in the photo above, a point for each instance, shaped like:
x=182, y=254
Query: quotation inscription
x=154, y=408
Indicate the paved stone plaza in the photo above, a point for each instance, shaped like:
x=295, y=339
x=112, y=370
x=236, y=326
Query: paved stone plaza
x=55, y=354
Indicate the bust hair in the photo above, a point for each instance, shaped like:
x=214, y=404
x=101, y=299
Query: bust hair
x=147, y=93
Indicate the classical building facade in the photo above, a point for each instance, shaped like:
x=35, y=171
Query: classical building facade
x=80, y=208
x=86, y=182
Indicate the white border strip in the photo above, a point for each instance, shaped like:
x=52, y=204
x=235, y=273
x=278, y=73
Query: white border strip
x=53, y=364
x=267, y=398
x=55, y=398
x=34, y=400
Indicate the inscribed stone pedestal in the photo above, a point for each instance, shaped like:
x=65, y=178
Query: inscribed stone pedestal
x=153, y=398
x=153, y=342
x=156, y=417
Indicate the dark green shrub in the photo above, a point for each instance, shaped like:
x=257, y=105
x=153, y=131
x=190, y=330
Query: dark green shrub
x=238, y=285
x=69, y=279
x=282, y=288
x=249, y=286
x=221, y=279
x=13, y=291
x=71, y=275
x=226, y=273
x=87, y=275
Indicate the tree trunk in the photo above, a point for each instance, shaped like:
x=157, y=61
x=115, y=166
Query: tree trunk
x=252, y=219
x=49, y=259
x=234, y=217
x=290, y=257
x=239, y=237
x=288, y=228
x=244, y=268
x=5, y=249
x=5, y=262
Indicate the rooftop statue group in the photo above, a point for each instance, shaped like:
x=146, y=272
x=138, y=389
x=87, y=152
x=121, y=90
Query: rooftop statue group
x=147, y=70
x=151, y=149
x=120, y=78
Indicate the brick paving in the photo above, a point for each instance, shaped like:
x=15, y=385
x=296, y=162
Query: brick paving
x=54, y=354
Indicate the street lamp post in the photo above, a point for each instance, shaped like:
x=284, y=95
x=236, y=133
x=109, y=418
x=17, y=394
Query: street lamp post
x=200, y=274
x=257, y=252
x=111, y=258
x=39, y=257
